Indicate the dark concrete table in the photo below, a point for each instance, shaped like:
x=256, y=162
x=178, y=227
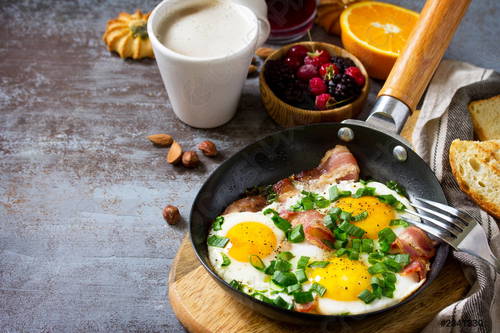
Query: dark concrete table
x=82, y=241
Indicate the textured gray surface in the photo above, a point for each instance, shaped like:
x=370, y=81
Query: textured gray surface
x=83, y=246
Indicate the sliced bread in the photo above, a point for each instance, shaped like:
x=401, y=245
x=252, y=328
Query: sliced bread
x=485, y=114
x=476, y=167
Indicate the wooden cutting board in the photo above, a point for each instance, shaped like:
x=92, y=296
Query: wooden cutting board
x=203, y=306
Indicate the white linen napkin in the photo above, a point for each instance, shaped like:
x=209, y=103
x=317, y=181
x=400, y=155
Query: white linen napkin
x=443, y=118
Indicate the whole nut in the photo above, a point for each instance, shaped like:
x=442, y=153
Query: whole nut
x=190, y=159
x=252, y=69
x=175, y=153
x=208, y=148
x=264, y=52
x=171, y=214
x=161, y=140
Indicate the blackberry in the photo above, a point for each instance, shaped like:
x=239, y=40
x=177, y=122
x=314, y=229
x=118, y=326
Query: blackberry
x=283, y=82
x=342, y=63
x=343, y=87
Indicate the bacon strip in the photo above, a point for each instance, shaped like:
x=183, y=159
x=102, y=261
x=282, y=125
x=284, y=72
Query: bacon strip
x=419, y=246
x=314, y=230
x=337, y=164
x=253, y=203
x=284, y=189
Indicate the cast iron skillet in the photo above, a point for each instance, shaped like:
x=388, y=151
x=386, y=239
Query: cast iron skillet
x=373, y=144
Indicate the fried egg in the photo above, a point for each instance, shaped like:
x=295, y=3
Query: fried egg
x=248, y=234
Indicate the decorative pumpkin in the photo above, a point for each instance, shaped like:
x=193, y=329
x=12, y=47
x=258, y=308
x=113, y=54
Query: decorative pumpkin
x=127, y=35
x=329, y=13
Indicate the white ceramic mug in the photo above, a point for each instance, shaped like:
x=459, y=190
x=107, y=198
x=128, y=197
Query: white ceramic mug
x=204, y=92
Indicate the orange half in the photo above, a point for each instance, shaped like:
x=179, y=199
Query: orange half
x=376, y=32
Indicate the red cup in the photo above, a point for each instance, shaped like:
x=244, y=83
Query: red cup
x=290, y=19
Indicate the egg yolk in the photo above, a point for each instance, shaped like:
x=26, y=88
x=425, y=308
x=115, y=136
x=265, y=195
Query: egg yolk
x=344, y=279
x=250, y=238
x=379, y=213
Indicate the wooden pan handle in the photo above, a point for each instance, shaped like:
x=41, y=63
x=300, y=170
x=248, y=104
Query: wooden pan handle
x=425, y=47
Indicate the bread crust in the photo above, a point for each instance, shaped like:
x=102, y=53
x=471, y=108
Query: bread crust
x=489, y=207
x=478, y=128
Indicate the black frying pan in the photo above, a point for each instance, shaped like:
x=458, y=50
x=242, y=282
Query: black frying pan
x=381, y=154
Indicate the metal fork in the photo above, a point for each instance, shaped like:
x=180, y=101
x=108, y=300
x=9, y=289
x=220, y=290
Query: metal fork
x=457, y=228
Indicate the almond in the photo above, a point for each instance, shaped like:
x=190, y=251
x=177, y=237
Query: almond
x=174, y=153
x=264, y=52
x=190, y=159
x=252, y=69
x=162, y=140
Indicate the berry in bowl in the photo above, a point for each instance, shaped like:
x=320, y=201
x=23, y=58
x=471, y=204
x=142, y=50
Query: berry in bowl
x=310, y=82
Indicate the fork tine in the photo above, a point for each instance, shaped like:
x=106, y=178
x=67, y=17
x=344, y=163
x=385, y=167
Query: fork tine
x=457, y=223
x=440, y=224
x=450, y=210
x=432, y=230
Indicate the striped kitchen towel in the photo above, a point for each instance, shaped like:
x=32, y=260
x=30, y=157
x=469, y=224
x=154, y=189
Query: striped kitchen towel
x=444, y=117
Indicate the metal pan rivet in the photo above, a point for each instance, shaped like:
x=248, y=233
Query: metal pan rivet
x=400, y=153
x=345, y=134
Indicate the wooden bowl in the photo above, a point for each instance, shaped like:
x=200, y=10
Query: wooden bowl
x=287, y=115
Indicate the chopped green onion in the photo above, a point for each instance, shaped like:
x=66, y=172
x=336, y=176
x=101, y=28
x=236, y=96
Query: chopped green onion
x=356, y=244
x=329, y=222
x=217, y=225
x=285, y=255
x=279, y=222
x=335, y=194
x=376, y=268
x=363, y=182
x=217, y=241
x=392, y=201
x=296, y=234
x=263, y=298
x=301, y=276
x=318, y=288
x=321, y=264
x=284, y=279
x=335, y=211
x=399, y=222
x=364, y=191
x=225, y=260
x=236, y=284
x=392, y=265
x=303, y=297
x=270, y=211
x=340, y=234
x=351, y=229
x=366, y=296
x=256, y=262
x=353, y=254
x=341, y=252
x=302, y=262
x=310, y=201
x=270, y=269
x=360, y=216
x=402, y=258
x=389, y=277
x=398, y=188
x=282, y=266
x=278, y=301
x=293, y=288
x=366, y=245
x=384, y=246
x=345, y=216
x=387, y=235
x=338, y=244
x=375, y=257
x=328, y=243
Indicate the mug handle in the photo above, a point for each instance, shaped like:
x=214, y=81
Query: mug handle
x=259, y=8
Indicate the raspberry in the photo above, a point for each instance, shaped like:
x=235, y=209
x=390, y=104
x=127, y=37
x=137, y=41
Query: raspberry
x=356, y=74
x=327, y=71
x=317, y=86
x=322, y=101
x=298, y=52
x=317, y=58
x=306, y=72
